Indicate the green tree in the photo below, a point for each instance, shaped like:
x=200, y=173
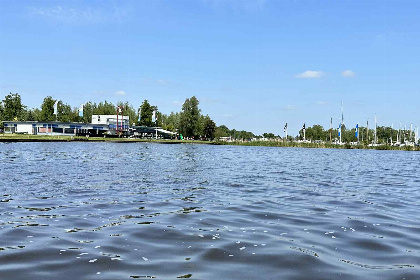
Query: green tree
x=1, y=115
x=173, y=121
x=316, y=132
x=190, y=118
x=146, y=112
x=12, y=108
x=222, y=131
x=65, y=113
x=88, y=109
x=269, y=135
x=209, y=128
x=47, y=110
x=105, y=108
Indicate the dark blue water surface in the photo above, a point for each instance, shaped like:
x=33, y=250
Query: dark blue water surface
x=140, y=211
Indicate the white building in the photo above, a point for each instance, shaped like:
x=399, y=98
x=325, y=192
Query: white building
x=110, y=120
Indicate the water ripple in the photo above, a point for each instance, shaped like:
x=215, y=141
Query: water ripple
x=146, y=211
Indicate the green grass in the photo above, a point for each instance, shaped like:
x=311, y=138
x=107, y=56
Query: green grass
x=49, y=138
x=314, y=145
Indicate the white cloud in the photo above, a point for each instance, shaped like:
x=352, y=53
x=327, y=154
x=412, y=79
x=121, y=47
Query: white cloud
x=310, y=74
x=288, y=108
x=322, y=103
x=85, y=15
x=348, y=74
x=120, y=93
x=177, y=103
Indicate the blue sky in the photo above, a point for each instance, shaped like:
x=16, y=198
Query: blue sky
x=253, y=64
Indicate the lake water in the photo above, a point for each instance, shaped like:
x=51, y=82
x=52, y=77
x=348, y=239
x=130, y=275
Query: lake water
x=141, y=211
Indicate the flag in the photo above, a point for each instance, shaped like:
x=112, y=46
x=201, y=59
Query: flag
x=303, y=127
x=55, y=107
x=339, y=130
x=357, y=130
x=285, y=127
x=154, y=116
x=81, y=110
x=139, y=112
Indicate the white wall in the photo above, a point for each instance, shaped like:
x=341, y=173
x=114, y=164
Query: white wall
x=24, y=128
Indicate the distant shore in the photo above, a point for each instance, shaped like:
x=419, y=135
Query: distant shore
x=47, y=138
x=325, y=145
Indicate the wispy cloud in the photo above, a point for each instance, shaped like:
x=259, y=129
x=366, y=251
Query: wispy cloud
x=310, y=74
x=85, y=15
x=177, y=103
x=288, y=108
x=348, y=74
x=120, y=93
x=321, y=103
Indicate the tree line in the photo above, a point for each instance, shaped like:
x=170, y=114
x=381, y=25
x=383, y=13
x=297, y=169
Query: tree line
x=190, y=122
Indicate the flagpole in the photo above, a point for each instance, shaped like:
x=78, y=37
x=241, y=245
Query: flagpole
x=411, y=131
x=376, y=137
x=331, y=130
x=367, y=131
x=357, y=133
x=339, y=132
x=285, y=130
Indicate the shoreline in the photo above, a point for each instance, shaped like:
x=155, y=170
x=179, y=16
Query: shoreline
x=319, y=145
x=47, y=138
x=5, y=138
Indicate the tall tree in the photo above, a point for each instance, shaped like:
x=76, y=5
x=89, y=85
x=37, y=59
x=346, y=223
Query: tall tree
x=88, y=109
x=1, y=111
x=190, y=118
x=146, y=112
x=209, y=128
x=47, y=110
x=13, y=109
x=65, y=113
